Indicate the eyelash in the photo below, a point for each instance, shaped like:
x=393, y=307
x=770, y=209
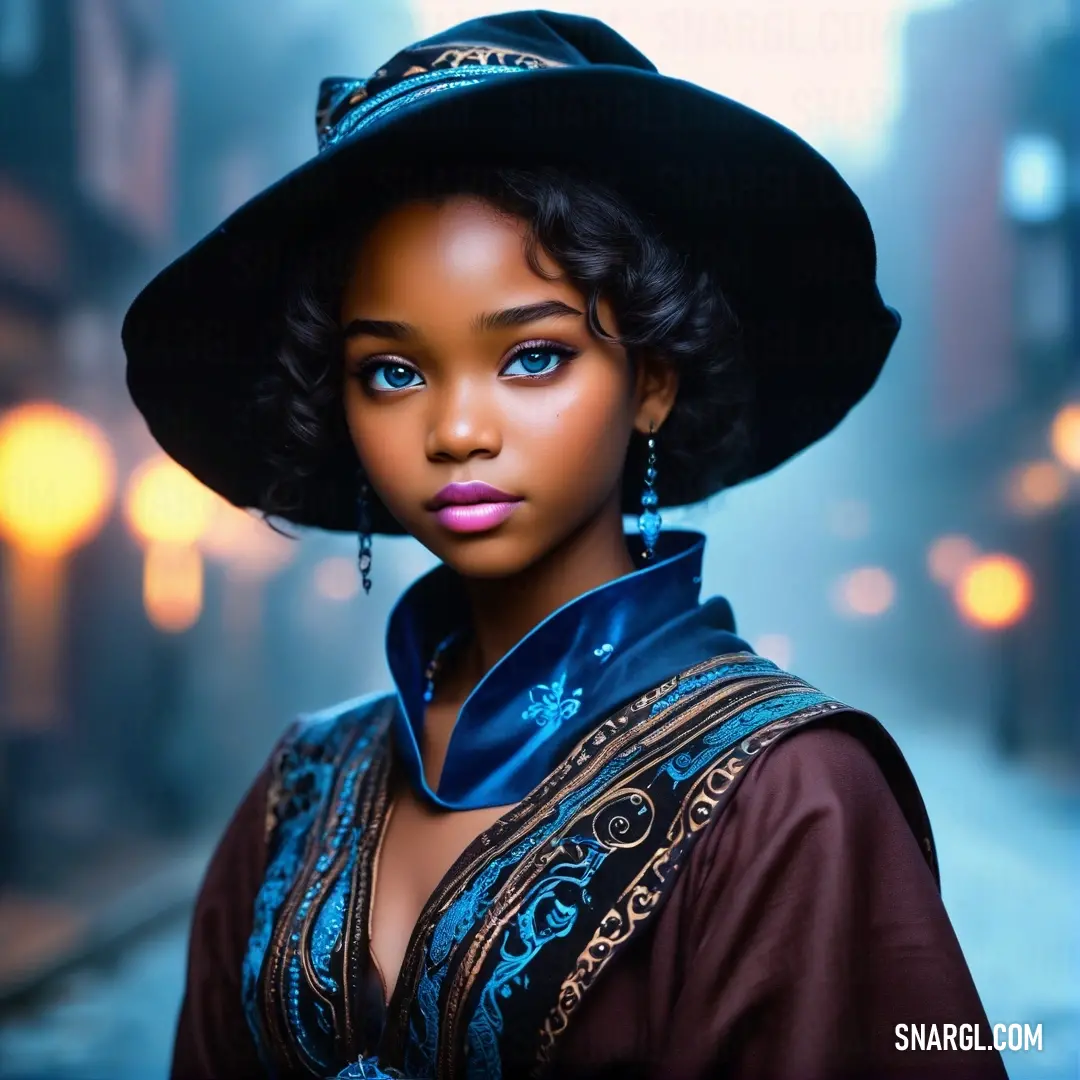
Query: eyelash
x=367, y=371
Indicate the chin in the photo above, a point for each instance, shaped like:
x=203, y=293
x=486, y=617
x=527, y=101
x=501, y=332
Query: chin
x=488, y=556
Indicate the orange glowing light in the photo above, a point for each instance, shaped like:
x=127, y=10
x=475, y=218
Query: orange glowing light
x=949, y=556
x=57, y=478
x=868, y=591
x=249, y=548
x=994, y=592
x=172, y=586
x=1037, y=486
x=1065, y=436
x=166, y=504
x=227, y=532
x=337, y=578
x=33, y=611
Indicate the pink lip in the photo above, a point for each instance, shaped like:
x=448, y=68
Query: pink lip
x=473, y=491
x=472, y=507
x=474, y=517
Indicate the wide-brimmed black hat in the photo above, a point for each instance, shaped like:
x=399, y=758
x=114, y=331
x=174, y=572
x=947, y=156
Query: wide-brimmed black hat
x=784, y=236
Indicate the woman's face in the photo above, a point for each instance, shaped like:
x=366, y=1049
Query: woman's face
x=463, y=367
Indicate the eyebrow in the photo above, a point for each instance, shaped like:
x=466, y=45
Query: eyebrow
x=490, y=320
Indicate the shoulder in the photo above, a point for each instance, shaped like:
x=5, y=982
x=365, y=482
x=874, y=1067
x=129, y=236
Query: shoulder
x=312, y=738
x=806, y=753
x=330, y=726
x=301, y=768
x=332, y=734
x=826, y=763
x=316, y=748
x=837, y=791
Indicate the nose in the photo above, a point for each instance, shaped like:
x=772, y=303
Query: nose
x=463, y=424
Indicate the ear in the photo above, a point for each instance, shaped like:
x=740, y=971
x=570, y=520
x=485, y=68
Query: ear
x=655, y=392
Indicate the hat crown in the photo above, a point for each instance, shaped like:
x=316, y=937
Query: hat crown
x=514, y=41
x=561, y=39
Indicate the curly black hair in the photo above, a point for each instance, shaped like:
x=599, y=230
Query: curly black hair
x=664, y=309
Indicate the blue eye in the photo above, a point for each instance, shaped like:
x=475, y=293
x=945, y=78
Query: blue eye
x=388, y=376
x=537, y=361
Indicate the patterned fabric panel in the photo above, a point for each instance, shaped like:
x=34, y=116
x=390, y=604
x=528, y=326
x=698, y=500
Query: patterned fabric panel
x=308, y=939
x=534, y=909
x=517, y=935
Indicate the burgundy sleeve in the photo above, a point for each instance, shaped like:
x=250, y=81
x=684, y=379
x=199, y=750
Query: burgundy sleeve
x=813, y=926
x=213, y=1040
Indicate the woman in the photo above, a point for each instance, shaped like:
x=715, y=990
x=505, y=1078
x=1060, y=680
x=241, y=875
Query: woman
x=590, y=832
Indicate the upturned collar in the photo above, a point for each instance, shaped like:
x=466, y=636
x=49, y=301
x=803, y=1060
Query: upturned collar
x=573, y=669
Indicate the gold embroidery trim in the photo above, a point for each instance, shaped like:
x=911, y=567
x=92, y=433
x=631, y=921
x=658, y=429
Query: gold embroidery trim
x=639, y=900
x=483, y=54
x=677, y=720
x=506, y=905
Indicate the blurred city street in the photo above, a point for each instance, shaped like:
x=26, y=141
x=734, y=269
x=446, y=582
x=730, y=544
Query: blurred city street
x=1008, y=841
x=923, y=562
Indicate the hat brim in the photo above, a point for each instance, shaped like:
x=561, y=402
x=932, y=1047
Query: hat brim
x=786, y=238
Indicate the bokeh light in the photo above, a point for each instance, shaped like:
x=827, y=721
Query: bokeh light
x=774, y=647
x=994, y=592
x=865, y=592
x=1036, y=486
x=173, y=586
x=337, y=578
x=949, y=556
x=166, y=504
x=249, y=548
x=228, y=532
x=1065, y=436
x=1035, y=182
x=57, y=478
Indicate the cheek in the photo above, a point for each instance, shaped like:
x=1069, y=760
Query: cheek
x=583, y=424
x=382, y=440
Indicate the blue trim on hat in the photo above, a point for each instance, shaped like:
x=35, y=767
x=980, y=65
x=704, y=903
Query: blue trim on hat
x=406, y=92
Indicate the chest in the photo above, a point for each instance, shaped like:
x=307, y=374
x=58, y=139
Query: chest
x=418, y=847
x=492, y=925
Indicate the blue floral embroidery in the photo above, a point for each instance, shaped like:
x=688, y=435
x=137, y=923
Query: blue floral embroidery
x=604, y=652
x=311, y=755
x=551, y=706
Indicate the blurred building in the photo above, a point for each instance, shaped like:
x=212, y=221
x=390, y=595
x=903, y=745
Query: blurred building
x=87, y=113
x=86, y=100
x=128, y=129
x=1040, y=178
x=988, y=141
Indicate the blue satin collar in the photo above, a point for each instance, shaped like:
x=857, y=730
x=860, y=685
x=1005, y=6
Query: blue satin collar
x=568, y=673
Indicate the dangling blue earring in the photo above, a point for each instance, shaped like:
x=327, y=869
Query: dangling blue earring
x=649, y=522
x=363, y=528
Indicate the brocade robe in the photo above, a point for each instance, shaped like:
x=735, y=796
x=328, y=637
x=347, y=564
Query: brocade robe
x=715, y=872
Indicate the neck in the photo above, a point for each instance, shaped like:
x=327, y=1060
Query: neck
x=504, y=610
